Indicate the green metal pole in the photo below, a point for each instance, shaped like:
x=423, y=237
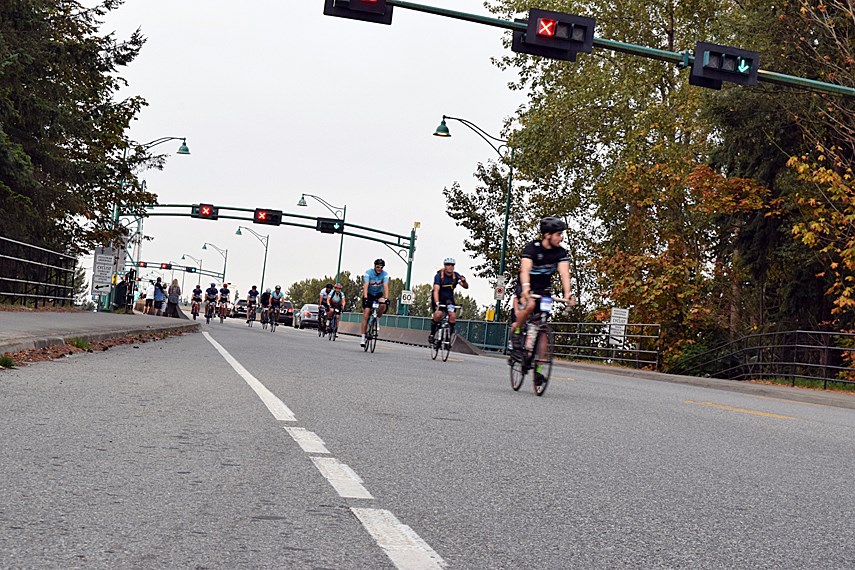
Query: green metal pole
x=225, y=261
x=505, y=233
x=406, y=309
x=340, y=248
x=264, y=267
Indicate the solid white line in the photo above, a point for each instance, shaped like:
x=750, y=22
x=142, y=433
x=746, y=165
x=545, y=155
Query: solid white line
x=307, y=440
x=402, y=545
x=343, y=479
x=276, y=406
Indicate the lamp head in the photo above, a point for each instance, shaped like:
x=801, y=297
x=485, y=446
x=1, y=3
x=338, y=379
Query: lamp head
x=237, y=233
x=442, y=130
x=302, y=201
x=204, y=246
x=183, y=149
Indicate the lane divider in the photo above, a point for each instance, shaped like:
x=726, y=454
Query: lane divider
x=402, y=545
x=741, y=410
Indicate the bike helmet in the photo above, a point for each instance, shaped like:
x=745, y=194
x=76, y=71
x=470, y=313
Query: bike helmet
x=328, y=286
x=338, y=285
x=380, y=262
x=278, y=287
x=255, y=286
x=449, y=261
x=213, y=284
x=267, y=290
x=551, y=224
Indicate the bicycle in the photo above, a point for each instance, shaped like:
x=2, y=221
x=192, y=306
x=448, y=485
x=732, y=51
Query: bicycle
x=442, y=336
x=322, y=328
x=250, y=314
x=371, y=330
x=265, y=317
x=194, y=309
x=274, y=320
x=224, y=309
x=332, y=326
x=538, y=346
x=209, y=311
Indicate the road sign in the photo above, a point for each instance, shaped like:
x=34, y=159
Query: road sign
x=407, y=297
x=499, y=292
x=617, y=326
x=102, y=271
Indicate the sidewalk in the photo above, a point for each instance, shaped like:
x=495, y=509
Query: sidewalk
x=39, y=329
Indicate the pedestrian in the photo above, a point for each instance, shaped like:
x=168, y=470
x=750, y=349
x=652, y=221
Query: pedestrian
x=172, y=298
x=149, y=299
x=159, y=298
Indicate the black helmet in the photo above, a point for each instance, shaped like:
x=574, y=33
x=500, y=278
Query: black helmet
x=551, y=224
x=328, y=286
x=380, y=262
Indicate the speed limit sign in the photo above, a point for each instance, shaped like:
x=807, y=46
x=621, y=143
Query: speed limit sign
x=407, y=297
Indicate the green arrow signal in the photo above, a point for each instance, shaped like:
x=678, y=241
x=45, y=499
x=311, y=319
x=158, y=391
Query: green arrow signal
x=336, y=226
x=744, y=65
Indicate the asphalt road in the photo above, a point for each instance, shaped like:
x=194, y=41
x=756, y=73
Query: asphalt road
x=167, y=455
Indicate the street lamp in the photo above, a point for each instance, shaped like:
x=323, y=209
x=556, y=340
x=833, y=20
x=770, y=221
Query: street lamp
x=265, y=240
x=199, y=261
x=442, y=131
x=340, y=213
x=224, y=253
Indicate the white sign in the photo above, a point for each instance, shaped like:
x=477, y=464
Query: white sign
x=617, y=326
x=102, y=271
x=499, y=293
x=407, y=297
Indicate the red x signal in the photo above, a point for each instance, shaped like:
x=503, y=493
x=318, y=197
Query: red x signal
x=261, y=215
x=546, y=27
x=206, y=211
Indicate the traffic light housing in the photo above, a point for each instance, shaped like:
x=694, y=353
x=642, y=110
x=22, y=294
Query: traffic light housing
x=377, y=11
x=329, y=226
x=205, y=211
x=142, y=264
x=715, y=64
x=555, y=35
x=190, y=269
x=266, y=216
x=166, y=266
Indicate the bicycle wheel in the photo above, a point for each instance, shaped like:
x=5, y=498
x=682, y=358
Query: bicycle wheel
x=542, y=359
x=445, y=346
x=333, y=328
x=517, y=374
x=373, y=338
x=368, y=334
x=434, y=346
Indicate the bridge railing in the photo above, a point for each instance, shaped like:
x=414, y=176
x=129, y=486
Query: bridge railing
x=33, y=275
x=639, y=347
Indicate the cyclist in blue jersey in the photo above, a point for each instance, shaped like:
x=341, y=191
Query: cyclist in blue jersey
x=375, y=287
x=276, y=302
x=225, y=293
x=444, y=282
x=211, y=297
x=251, y=301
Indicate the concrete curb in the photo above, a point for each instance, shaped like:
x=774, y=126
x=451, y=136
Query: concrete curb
x=32, y=342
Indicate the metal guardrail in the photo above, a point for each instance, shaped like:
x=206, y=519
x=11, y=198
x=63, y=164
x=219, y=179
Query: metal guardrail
x=31, y=274
x=811, y=355
x=639, y=347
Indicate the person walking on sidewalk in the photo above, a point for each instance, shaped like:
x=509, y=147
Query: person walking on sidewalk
x=158, y=298
x=172, y=299
x=149, y=299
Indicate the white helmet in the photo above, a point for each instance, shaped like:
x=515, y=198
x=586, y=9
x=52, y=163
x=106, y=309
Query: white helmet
x=449, y=261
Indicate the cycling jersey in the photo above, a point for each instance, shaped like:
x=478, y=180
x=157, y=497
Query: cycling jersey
x=211, y=293
x=197, y=294
x=375, y=281
x=253, y=296
x=446, y=283
x=324, y=294
x=224, y=294
x=276, y=298
x=336, y=298
x=265, y=299
x=544, y=264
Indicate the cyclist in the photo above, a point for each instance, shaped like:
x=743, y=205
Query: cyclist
x=210, y=297
x=265, y=303
x=375, y=288
x=540, y=260
x=336, y=300
x=276, y=302
x=196, y=296
x=225, y=293
x=323, y=305
x=444, y=282
x=251, y=301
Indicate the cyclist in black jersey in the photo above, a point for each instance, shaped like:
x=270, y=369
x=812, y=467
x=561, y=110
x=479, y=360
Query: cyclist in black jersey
x=540, y=260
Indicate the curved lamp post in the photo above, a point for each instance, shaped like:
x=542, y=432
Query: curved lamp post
x=442, y=131
x=265, y=240
x=199, y=261
x=224, y=253
x=340, y=213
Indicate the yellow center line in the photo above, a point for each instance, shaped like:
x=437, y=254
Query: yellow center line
x=455, y=360
x=742, y=410
x=571, y=379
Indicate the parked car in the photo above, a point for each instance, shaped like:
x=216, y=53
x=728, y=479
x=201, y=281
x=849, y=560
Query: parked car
x=286, y=315
x=307, y=316
x=239, y=309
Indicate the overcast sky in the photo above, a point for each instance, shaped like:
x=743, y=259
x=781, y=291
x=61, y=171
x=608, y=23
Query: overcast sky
x=276, y=99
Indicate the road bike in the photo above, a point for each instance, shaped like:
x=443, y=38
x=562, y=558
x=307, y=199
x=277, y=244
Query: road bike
x=332, y=326
x=372, y=330
x=322, y=324
x=442, y=337
x=250, y=314
x=194, y=309
x=274, y=319
x=209, y=311
x=265, y=317
x=223, y=310
x=538, y=346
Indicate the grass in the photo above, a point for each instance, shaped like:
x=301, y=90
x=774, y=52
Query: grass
x=6, y=362
x=80, y=343
x=813, y=384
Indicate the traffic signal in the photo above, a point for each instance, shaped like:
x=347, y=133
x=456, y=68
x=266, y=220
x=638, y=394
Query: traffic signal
x=330, y=226
x=205, y=211
x=142, y=264
x=555, y=35
x=265, y=216
x=190, y=269
x=166, y=266
x=715, y=64
x=377, y=11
